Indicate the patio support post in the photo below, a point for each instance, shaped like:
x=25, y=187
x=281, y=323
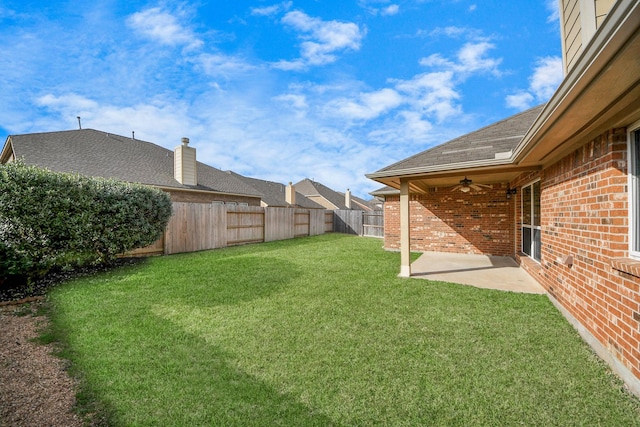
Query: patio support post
x=405, y=230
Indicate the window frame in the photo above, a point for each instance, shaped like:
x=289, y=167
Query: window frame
x=633, y=153
x=531, y=227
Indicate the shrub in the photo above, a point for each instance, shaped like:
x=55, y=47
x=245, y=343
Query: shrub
x=50, y=219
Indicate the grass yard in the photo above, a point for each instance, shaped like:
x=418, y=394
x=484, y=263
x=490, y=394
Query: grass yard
x=319, y=331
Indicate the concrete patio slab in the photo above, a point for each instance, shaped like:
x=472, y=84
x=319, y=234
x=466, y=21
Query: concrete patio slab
x=482, y=271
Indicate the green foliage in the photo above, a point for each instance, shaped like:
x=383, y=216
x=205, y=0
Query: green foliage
x=50, y=219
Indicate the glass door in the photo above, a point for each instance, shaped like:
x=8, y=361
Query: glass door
x=531, y=229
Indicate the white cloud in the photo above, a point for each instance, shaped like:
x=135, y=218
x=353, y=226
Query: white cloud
x=415, y=127
x=161, y=120
x=450, y=31
x=432, y=93
x=471, y=58
x=67, y=102
x=520, y=100
x=367, y=106
x=547, y=75
x=322, y=40
x=220, y=65
x=164, y=27
x=296, y=101
x=379, y=7
x=390, y=10
x=552, y=8
x=271, y=10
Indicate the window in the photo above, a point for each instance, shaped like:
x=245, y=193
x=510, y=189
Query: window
x=531, y=230
x=634, y=191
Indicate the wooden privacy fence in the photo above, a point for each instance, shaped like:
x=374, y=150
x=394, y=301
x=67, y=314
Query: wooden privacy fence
x=199, y=226
x=373, y=224
x=370, y=224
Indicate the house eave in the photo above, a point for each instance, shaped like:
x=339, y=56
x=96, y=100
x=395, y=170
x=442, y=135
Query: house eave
x=7, y=150
x=421, y=179
x=601, y=91
x=428, y=170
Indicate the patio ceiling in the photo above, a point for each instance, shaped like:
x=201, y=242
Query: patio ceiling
x=421, y=183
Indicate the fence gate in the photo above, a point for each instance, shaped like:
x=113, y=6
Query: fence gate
x=373, y=223
x=347, y=221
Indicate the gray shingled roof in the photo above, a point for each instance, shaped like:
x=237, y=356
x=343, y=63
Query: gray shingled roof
x=274, y=193
x=483, y=144
x=312, y=188
x=357, y=202
x=385, y=191
x=100, y=154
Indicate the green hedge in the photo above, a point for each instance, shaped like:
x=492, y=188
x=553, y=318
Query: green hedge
x=50, y=219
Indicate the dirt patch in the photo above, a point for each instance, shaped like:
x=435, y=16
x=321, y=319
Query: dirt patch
x=35, y=388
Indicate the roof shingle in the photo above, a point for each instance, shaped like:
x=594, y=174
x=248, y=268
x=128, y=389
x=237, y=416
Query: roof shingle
x=100, y=154
x=484, y=144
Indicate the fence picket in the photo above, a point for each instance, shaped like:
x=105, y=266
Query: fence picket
x=199, y=226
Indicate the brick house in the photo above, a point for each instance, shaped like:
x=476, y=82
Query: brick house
x=556, y=187
x=95, y=153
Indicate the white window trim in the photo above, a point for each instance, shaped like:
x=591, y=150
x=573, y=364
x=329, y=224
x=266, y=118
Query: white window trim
x=634, y=194
x=539, y=227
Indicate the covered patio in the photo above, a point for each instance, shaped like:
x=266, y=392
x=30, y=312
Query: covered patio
x=482, y=271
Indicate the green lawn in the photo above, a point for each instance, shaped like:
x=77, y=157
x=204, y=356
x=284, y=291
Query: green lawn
x=320, y=331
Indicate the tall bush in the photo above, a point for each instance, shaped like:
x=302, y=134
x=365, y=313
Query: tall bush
x=52, y=219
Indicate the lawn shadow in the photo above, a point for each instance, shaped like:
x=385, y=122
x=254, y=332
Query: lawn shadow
x=227, y=280
x=195, y=382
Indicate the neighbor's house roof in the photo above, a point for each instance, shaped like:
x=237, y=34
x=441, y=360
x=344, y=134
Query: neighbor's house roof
x=100, y=154
x=357, y=202
x=321, y=194
x=385, y=191
x=600, y=92
x=274, y=194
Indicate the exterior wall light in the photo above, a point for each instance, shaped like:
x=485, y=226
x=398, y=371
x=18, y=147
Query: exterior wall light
x=511, y=191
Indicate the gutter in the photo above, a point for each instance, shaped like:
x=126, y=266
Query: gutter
x=602, y=48
x=621, y=24
x=441, y=168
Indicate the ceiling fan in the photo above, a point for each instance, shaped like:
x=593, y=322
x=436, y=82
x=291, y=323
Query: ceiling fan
x=466, y=185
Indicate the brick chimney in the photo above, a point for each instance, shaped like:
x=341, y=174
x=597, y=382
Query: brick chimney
x=184, y=164
x=290, y=194
x=347, y=199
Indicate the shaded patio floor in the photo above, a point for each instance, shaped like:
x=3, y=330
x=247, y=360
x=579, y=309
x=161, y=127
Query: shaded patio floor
x=482, y=271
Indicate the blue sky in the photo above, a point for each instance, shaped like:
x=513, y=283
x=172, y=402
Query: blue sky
x=327, y=90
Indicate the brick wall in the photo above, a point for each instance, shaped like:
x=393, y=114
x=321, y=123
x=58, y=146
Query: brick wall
x=584, y=219
x=442, y=220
